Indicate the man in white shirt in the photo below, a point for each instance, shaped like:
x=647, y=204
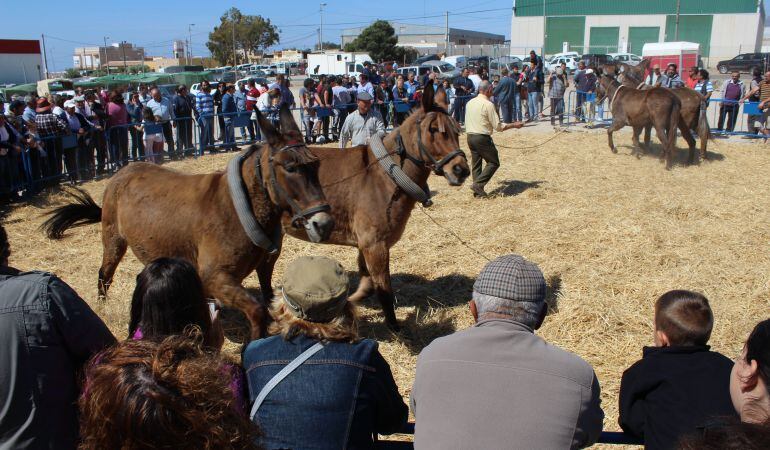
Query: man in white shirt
x=362, y=123
x=653, y=79
x=365, y=86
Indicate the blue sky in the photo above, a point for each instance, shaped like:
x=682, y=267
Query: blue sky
x=155, y=24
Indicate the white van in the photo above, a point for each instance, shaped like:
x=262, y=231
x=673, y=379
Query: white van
x=458, y=61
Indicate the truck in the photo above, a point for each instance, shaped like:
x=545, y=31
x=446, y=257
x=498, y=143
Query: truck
x=336, y=63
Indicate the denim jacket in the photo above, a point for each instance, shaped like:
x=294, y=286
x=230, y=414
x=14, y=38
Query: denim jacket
x=337, y=399
x=48, y=332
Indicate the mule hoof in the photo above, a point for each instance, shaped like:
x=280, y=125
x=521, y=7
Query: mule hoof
x=613, y=149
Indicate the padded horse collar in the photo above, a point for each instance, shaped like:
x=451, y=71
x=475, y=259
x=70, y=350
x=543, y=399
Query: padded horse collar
x=300, y=216
x=242, y=203
x=395, y=172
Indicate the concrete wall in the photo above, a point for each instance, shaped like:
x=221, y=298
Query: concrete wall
x=21, y=68
x=732, y=34
x=526, y=32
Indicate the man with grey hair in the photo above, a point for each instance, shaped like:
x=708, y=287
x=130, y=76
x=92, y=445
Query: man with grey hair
x=497, y=384
x=481, y=120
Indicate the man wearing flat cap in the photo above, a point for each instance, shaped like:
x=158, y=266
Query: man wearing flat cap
x=361, y=124
x=316, y=383
x=497, y=384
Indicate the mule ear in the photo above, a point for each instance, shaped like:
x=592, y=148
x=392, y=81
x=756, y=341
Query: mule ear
x=287, y=120
x=440, y=98
x=267, y=128
x=428, y=94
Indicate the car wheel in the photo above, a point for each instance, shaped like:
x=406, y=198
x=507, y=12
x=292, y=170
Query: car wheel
x=722, y=69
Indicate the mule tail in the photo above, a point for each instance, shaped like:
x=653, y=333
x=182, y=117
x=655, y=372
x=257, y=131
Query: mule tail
x=82, y=210
x=673, y=124
x=703, y=122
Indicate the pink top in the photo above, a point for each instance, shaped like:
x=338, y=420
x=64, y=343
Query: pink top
x=118, y=115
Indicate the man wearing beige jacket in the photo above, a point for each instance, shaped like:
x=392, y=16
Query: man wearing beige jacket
x=498, y=385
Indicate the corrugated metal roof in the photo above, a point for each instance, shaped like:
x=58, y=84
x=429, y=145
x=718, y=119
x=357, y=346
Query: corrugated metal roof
x=407, y=29
x=631, y=7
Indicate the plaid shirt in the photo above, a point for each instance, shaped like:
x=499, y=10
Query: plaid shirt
x=50, y=124
x=204, y=104
x=558, y=87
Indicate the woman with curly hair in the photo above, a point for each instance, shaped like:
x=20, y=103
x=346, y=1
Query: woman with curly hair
x=317, y=384
x=146, y=394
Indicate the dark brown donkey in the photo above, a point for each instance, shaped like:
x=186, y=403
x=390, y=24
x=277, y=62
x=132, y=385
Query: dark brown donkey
x=657, y=107
x=370, y=211
x=159, y=212
x=693, y=114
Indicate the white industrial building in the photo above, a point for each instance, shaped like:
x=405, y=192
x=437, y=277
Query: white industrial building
x=722, y=28
x=20, y=61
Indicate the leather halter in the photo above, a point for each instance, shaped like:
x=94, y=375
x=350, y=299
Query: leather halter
x=437, y=166
x=300, y=216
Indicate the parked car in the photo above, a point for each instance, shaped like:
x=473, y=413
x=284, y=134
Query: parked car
x=575, y=55
x=195, y=88
x=418, y=71
x=442, y=69
x=745, y=62
x=571, y=61
x=478, y=61
x=425, y=58
x=258, y=80
x=497, y=64
x=458, y=61
x=628, y=58
x=596, y=59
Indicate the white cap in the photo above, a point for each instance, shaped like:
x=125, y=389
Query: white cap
x=70, y=104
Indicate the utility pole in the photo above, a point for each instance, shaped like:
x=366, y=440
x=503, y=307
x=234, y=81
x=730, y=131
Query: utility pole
x=676, y=27
x=125, y=66
x=321, y=29
x=106, y=59
x=45, y=58
x=189, y=43
x=235, y=55
x=446, y=32
x=542, y=50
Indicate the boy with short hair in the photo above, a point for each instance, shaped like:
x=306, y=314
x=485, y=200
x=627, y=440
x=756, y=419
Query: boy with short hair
x=678, y=384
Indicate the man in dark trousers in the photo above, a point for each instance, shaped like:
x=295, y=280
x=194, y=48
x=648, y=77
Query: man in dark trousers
x=47, y=333
x=480, y=122
x=463, y=88
x=504, y=94
x=182, y=107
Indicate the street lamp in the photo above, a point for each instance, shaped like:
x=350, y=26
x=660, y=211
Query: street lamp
x=106, y=59
x=321, y=30
x=189, y=43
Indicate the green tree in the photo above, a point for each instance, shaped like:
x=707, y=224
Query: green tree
x=252, y=35
x=379, y=40
x=72, y=73
x=328, y=46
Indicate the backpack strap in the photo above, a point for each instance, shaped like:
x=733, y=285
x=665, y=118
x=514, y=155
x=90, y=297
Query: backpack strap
x=298, y=361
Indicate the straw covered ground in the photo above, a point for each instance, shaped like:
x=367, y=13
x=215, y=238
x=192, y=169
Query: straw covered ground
x=610, y=232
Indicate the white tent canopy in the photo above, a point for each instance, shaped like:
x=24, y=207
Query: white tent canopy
x=669, y=48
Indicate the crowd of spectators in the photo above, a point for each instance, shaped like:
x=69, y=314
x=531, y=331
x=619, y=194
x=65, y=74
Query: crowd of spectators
x=315, y=382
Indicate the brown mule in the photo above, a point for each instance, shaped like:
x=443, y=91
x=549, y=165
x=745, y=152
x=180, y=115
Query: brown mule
x=370, y=212
x=657, y=107
x=693, y=114
x=160, y=212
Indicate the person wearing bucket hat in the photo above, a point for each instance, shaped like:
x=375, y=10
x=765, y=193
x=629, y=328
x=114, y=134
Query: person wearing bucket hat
x=509, y=381
x=315, y=383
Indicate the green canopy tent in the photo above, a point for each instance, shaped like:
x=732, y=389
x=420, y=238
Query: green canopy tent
x=22, y=89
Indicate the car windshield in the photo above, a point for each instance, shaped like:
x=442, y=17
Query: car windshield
x=445, y=67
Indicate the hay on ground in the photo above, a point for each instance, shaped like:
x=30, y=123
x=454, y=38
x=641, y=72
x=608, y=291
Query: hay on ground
x=610, y=232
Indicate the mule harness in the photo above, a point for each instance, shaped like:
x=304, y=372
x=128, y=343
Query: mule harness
x=242, y=203
x=398, y=176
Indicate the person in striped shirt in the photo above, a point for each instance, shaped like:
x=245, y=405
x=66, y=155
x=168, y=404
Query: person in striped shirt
x=704, y=85
x=204, y=109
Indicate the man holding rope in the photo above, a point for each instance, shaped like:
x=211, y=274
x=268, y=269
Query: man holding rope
x=481, y=121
